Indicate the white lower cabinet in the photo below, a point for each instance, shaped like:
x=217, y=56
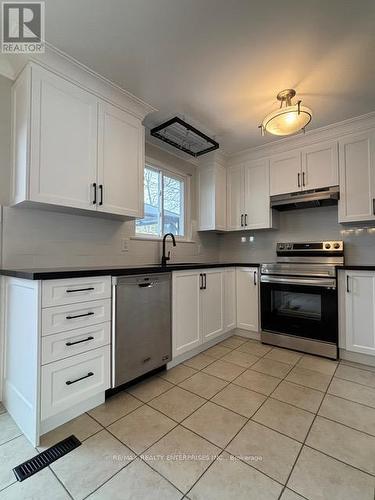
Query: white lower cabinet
x=198, y=308
x=247, y=284
x=67, y=382
x=230, y=303
x=359, y=316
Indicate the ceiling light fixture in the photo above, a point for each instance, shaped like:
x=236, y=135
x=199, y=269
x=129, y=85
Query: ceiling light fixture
x=289, y=118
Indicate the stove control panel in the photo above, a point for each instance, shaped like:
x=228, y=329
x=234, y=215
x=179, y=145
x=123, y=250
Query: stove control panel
x=311, y=246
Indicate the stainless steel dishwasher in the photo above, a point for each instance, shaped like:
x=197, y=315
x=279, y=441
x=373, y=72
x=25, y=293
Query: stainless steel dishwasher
x=141, y=325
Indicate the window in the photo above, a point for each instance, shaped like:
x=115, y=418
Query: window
x=164, y=204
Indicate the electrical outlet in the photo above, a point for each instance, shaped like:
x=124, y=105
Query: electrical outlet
x=125, y=245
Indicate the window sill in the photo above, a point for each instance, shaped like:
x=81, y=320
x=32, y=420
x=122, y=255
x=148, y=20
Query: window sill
x=157, y=238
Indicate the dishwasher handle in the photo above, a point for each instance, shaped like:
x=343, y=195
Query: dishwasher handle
x=148, y=284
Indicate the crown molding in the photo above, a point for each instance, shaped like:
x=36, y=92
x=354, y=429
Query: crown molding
x=333, y=131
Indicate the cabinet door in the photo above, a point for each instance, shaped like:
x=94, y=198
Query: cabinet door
x=220, y=198
x=360, y=304
x=121, y=162
x=357, y=177
x=234, y=197
x=320, y=166
x=230, y=304
x=247, y=298
x=212, y=304
x=257, y=195
x=285, y=173
x=63, y=142
x=186, y=311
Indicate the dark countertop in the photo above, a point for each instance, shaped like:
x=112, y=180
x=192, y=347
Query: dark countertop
x=82, y=272
x=348, y=267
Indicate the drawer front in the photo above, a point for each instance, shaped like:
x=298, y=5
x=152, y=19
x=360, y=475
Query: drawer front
x=71, y=291
x=70, y=381
x=63, y=318
x=65, y=344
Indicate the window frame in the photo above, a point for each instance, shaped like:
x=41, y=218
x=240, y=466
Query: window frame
x=182, y=177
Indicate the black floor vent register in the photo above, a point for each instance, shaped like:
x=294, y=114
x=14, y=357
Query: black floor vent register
x=45, y=458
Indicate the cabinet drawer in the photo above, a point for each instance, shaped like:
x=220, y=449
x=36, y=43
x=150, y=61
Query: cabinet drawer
x=65, y=344
x=63, y=318
x=71, y=291
x=70, y=381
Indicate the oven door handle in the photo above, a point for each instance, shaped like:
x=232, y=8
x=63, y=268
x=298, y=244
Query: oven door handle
x=289, y=280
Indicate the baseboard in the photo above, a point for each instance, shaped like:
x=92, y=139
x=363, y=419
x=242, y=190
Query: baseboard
x=357, y=357
x=246, y=334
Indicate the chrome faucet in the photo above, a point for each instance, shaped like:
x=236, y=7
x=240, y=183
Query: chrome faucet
x=165, y=258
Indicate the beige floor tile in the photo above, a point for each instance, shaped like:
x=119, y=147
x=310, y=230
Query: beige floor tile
x=233, y=342
x=317, y=364
x=181, y=456
x=363, y=377
x=297, y=395
x=350, y=390
x=12, y=454
x=217, y=351
x=82, y=427
x=177, y=403
x=319, y=477
x=266, y=450
x=136, y=481
x=114, y=408
x=203, y=384
x=360, y=366
x=228, y=478
x=224, y=370
x=341, y=442
x=177, y=374
x=284, y=418
x=239, y=358
x=199, y=362
x=149, y=388
x=91, y=464
x=349, y=413
x=141, y=428
x=284, y=355
x=215, y=423
x=8, y=428
x=239, y=399
x=254, y=347
x=258, y=382
x=309, y=378
x=272, y=367
x=290, y=495
x=42, y=486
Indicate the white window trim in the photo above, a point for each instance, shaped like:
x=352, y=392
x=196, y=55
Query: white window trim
x=186, y=178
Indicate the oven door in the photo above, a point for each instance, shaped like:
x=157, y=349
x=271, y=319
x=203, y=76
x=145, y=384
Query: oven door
x=300, y=306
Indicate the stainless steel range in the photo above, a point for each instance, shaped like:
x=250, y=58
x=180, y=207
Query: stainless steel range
x=299, y=297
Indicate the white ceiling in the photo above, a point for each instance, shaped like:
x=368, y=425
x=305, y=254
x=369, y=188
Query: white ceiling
x=220, y=63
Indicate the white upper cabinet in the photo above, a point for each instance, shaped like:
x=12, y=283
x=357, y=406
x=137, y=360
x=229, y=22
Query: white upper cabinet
x=359, y=312
x=235, y=198
x=212, y=197
x=357, y=177
x=320, y=166
x=312, y=167
x=121, y=162
x=257, y=212
x=285, y=173
x=72, y=150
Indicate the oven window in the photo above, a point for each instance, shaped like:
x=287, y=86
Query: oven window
x=296, y=305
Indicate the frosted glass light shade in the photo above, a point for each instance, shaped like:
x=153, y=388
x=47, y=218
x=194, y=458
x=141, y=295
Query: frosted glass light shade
x=287, y=120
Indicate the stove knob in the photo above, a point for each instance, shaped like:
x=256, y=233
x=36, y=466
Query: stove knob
x=281, y=246
x=328, y=246
x=289, y=246
x=336, y=245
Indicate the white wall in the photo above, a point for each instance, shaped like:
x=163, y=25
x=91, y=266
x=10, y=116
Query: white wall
x=300, y=225
x=39, y=238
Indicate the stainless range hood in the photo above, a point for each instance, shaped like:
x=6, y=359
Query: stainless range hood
x=307, y=199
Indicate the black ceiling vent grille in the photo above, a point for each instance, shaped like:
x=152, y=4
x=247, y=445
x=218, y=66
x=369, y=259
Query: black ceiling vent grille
x=184, y=137
x=45, y=458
